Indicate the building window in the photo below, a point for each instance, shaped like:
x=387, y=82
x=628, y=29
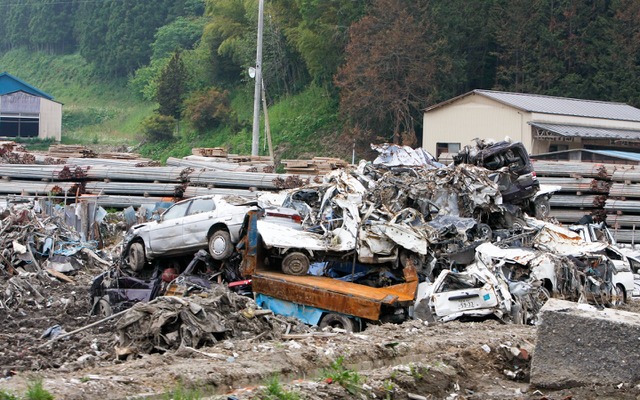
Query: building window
x=447, y=148
x=558, y=147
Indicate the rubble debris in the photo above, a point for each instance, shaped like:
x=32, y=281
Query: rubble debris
x=579, y=345
x=171, y=322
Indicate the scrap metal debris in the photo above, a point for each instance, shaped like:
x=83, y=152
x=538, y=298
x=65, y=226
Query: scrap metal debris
x=172, y=322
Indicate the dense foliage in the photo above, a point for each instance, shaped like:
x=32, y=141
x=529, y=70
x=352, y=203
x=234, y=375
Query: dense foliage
x=385, y=60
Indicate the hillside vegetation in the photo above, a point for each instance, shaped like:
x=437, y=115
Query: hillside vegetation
x=172, y=74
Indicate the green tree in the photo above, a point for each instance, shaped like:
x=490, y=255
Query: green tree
x=16, y=22
x=183, y=34
x=171, y=87
x=51, y=26
x=319, y=31
x=158, y=127
x=394, y=62
x=208, y=109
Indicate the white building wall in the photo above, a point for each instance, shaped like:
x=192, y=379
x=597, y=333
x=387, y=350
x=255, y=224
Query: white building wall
x=476, y=116
x=50, y=120
x=473, y=117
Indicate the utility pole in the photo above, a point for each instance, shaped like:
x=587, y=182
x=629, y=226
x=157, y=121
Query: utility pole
x=255, y=141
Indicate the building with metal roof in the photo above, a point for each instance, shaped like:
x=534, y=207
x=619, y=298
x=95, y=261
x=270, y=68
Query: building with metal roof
x=26, y=111
x=543, y=123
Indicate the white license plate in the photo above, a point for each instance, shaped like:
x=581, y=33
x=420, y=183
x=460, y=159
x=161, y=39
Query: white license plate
x=466, y=304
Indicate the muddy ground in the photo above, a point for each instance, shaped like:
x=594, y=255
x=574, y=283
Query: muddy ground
x=457, y=360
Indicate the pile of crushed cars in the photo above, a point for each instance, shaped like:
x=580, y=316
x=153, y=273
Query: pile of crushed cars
x=477, y=232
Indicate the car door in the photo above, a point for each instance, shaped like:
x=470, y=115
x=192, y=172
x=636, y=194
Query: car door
x=167, y=235
x=201, y=215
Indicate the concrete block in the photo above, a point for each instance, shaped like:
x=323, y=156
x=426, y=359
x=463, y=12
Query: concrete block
x=578, y=345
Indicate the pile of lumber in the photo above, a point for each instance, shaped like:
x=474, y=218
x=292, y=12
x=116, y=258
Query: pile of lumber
x=70, y=150
x=221, y=154
x=209, y=152
x=315, y=166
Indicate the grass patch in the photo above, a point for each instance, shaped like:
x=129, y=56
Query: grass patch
x=275, y=391
x=298, y=124
x=4, y=395
x=182, y=393
x=36, y=391
x=345, y=377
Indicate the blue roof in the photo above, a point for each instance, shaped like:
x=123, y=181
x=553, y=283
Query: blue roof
x=618, y=154
x=11, y=84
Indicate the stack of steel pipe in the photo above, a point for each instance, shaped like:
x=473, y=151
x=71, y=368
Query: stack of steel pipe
x=42, y=172
x=134, y=189
x=626, y=175
x=122, y=201
x=623, y=220
x=568, y=216
x=573, y=169
x=627, y=235
x=625, y=206
x=574, y=185
x=36, y=188
x=192, y=191
x=110, y=161
x=138, y=174
x=623, y=190
x=214, y=165
x=238, y=179
x=569, y=201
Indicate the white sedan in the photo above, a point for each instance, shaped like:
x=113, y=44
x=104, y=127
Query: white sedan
x=207, y=222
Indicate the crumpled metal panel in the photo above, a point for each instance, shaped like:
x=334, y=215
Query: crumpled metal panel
x=333, y=294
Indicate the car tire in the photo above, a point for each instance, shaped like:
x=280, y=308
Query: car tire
x=102, y=308
x=220, y=246
x=136, y=257
x=341, y=321
x=484, y=232
x=295, y=263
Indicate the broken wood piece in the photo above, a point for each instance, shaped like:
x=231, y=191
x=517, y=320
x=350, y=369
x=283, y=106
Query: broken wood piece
x=95, y=257
x=120, y=379
x=59, y=275
x=294, y=336
x=215, y=356
x=103, y=320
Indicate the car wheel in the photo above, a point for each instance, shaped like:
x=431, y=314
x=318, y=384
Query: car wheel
x=484, y=232
x=340, y=321
x=295, y=263
x=103, y=307
x=541, y=207
x=136, y=257
x=617, y=297
x=220, y=246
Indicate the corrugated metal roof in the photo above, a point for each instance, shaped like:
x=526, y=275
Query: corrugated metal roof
x=624, y=155
x=618, y=154
x=588, y=131
x=565, y=106
x=11, y=84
